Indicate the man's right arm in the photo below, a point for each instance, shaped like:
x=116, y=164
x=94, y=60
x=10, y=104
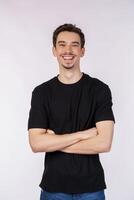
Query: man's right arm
x=42, y=140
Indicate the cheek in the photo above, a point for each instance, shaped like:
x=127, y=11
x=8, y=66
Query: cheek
x=81, y=54
x=59, y=52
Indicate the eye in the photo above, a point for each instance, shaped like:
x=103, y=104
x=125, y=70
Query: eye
x=62, y=45
x=75, y=45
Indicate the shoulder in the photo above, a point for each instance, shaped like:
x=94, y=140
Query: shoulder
x=102, y=91
x=98, y=86
x=44, y=86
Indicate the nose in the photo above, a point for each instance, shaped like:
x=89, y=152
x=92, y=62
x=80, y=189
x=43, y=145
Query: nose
x=68, y=49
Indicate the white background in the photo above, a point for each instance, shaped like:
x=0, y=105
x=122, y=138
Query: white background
x=26, y=60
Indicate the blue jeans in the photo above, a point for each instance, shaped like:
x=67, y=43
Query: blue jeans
x=64, y=196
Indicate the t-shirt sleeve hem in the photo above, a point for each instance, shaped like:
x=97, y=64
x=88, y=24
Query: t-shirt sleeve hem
x=105, y=119
x=37, y=126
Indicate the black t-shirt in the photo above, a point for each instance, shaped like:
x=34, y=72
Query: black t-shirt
x=67, y=108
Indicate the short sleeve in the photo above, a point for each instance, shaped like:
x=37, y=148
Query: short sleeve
x=104, y=104
x=38, y=113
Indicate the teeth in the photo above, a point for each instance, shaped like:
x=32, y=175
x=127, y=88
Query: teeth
x=68, y=57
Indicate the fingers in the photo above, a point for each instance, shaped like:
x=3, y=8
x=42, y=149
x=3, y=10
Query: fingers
x=49, y=131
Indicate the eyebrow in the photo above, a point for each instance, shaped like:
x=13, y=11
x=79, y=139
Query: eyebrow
x=61, y=41
x=74, y=42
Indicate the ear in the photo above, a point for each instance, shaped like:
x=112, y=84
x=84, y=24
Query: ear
x=54, y=51
x=82, y=52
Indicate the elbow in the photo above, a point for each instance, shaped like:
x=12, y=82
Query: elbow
x=37, y=149
x=106, y=148
x=34, y=148
x=33, y=145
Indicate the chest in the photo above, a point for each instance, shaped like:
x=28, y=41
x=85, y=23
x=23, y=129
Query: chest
x=72, y=105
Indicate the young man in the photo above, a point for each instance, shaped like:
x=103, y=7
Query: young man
x=71, y=119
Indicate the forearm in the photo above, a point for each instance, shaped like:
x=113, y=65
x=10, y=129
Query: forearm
x=48, y=141
x=51, y=142
x=98, y=144
x=90, y=146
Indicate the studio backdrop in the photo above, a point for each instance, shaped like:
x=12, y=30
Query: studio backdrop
x=26, y=60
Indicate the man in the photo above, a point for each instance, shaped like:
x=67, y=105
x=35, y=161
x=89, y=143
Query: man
x=71, y=119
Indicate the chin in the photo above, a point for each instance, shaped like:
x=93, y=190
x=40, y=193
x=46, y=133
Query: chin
x=68, y=67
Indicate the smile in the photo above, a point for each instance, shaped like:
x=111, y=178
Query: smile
x=68, y=57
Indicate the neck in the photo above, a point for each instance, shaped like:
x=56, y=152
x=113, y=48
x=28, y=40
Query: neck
x=70, y=76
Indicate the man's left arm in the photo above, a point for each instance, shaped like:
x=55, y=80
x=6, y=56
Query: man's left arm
x=97, y=144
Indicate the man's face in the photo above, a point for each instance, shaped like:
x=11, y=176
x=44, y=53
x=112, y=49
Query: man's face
x=68, y=49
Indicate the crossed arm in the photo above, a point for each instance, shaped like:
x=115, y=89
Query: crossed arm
x=97, y=144
x=90, y=141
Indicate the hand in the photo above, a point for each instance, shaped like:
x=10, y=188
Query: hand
x=89, y=133
x=49, y=131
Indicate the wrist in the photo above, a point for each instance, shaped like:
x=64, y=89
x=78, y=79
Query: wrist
x=80, y=135
x=77, y=135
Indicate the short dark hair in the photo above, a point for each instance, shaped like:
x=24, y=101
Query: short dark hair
x=70, y=28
